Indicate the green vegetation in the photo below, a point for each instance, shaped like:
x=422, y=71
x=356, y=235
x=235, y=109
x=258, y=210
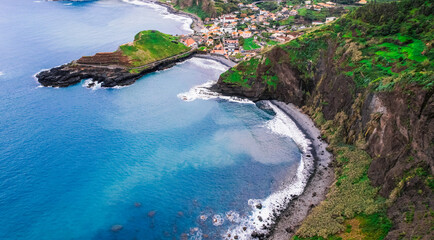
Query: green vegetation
x=202, y=8
x=150, y=46
x=242, y=73
x=352, y=209
x=379, y=45
x=313, y=15
x=196, y=10
x=269, y=6
x=250, y=44
x=287, y=21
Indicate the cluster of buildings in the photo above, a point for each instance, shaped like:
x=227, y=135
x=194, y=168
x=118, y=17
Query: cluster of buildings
x=226, y=34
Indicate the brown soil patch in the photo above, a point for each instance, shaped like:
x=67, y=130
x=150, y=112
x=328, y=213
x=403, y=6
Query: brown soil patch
x=355, y=233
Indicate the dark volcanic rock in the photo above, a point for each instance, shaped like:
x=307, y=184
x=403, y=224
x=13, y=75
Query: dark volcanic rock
x=70, y=74
x=101, y=69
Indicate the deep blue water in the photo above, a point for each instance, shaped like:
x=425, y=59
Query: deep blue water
x=75, y=161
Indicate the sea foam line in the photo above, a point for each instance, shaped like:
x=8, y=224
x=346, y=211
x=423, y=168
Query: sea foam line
x=203, y=92
x=262, y=218
x=265, y=211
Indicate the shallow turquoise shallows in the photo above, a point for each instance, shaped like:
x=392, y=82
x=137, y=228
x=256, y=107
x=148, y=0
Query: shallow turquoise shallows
x=130, y=163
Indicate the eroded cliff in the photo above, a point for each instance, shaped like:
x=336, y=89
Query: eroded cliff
x=368, y=84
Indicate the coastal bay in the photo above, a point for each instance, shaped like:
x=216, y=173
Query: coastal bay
x=136, y=161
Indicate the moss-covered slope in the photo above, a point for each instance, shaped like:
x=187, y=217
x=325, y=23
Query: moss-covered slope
x=150, y=46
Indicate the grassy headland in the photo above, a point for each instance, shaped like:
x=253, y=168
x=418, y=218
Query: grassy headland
x=150, y=46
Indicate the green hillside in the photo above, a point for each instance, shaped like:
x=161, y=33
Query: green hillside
x=378, y=45
x=150, y=46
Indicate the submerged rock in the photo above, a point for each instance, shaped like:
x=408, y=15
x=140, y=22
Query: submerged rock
x=116, y=228
x=151, y=213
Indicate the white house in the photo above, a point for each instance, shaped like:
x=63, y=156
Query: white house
x=330, y=19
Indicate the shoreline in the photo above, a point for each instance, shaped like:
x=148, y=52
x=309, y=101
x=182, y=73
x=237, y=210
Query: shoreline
x=319, y=181
x=197, y=23
x=318, y=184
x=220, y=59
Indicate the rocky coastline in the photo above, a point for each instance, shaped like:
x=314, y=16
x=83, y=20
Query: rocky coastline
x=110, y=75
x=197, y=23
x=111, y=70
x=318, y=184
x=394, y=128
x=113, y=75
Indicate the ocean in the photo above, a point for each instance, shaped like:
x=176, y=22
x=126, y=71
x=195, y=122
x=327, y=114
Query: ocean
x=137, y=162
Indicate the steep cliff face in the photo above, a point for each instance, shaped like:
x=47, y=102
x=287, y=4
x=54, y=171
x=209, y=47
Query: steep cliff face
x=361, y=78
x=203, y=8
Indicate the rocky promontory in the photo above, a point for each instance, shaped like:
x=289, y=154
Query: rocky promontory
x=151, y=51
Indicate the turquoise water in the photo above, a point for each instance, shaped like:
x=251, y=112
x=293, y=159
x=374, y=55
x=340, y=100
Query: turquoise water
x=74, y=162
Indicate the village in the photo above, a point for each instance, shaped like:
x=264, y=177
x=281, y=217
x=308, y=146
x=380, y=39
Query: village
x=242, y=34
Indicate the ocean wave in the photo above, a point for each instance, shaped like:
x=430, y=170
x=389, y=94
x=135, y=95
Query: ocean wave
x=90, y=83
x=208, y=64
x=265, y=211
x=1, y=74
x=203, y=92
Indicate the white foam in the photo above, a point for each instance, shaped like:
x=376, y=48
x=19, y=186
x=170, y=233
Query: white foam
x=203, y=217
x=275, y=203
x=208, y=64
x=233, y=216
x=90, y=83
x=195, y=234
x=203, y=92
x=137, y=2
x=217, y=220
x=1, y=74
x=67, y=4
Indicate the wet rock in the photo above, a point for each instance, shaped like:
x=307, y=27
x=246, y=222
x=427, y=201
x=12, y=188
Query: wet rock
x=259, y=206
x=108, y=69
x=289, y=230
x=180, y=214
x=205, y=236
x=244, y=228
x=314, y=194
x=116, y=228
x=260, y=218
x=235, y=237
x=137, y=204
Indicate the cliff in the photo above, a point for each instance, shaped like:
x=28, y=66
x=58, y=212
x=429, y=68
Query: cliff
x=202, y=8
x=150, y=51
x=367, y=81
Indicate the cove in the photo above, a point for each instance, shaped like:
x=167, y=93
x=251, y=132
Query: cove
x=134, y=162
